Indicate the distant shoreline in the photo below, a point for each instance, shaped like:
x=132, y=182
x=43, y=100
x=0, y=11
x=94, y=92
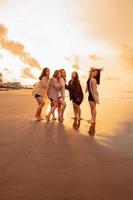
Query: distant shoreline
x=2, y=88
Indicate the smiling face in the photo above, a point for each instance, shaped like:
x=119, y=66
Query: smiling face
x=63, y=73
x=95, y=73
x=57, y=74
x=48, y=72
x=74, y=74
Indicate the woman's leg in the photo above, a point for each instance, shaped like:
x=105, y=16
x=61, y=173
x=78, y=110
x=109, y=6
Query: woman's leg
x=54, y=106
x=75, y=110
x=93, y=111
x=78, y=111
x=61, y=108
x=54, y=118
x=41, y=103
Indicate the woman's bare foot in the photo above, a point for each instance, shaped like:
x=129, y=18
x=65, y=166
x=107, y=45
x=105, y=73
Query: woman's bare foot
x=74, y=117
x=79, y=118
x=91, y=121
x=54, y=118
x=47, y=118
x=38, y=118
x=60, y=118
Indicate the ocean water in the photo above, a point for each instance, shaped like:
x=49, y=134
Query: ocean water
x=117, y=95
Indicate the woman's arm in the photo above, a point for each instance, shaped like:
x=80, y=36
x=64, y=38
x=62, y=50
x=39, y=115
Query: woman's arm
x=86, y=89
x=67, y=86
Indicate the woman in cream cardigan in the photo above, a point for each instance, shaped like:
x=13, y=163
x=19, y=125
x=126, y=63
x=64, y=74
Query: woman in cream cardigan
x=93, y=98
x=56, y=95
x=40, y=91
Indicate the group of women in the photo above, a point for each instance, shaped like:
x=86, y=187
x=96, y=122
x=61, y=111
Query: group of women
x=54, y=88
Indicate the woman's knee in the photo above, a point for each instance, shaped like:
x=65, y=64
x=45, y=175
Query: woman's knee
x=64, y=104
x=42, y=103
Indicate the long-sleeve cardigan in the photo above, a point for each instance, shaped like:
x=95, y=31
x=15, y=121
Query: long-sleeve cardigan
x=75, y=92
x=41, y=87
x=55, y=89
x=93, y=89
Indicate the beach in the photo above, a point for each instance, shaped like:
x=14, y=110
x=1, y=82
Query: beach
x=69, y=160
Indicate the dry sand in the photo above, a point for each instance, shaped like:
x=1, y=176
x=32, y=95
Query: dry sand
x=53, y=161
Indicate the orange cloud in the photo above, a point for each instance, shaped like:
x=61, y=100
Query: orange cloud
x=94, y=57
x=3, y=31
x=75, y=60
x=16, y=48
x=27, y=74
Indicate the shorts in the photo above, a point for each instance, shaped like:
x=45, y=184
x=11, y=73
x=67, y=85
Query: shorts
x=52, y=99
x=37, y=95
x=76, y=101
x=90, y=97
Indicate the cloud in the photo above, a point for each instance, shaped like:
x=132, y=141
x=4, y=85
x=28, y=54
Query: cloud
x=127, y=55
x=16, y=48
x=75, y=60
x=3, y=31
x=94, y=57
x=27, y=74
x=75, y=66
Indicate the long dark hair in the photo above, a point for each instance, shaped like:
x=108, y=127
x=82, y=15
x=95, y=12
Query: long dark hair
x=43, y=73
x=76, y=81
x=65, y=73
x=98, y=76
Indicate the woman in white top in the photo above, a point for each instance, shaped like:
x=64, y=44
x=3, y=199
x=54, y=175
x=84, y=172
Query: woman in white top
x=55, y=94
x=40, y=91
x=62, y=105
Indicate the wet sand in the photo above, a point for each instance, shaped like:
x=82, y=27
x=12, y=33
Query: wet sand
x=69, y=161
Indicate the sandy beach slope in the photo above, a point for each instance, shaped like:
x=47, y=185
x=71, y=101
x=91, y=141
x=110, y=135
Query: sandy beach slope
x=69, y=161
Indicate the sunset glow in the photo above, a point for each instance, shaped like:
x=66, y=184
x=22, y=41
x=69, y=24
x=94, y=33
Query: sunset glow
x=54, y=33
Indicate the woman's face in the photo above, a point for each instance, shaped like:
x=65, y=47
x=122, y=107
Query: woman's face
x=48, y=72
x=59, y=75
x=74, y=75
x=95, y=74
x=63, y=73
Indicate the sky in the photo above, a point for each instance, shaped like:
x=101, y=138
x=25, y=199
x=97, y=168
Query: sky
x=70, y=34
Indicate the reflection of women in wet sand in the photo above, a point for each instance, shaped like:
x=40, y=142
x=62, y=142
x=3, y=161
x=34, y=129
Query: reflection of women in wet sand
x=76, y=94
x=40, y=90
x=55, y=95
x=93, y=98
x=92, y=129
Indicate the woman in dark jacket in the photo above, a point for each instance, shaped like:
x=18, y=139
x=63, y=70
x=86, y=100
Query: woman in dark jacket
x=76, y=94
